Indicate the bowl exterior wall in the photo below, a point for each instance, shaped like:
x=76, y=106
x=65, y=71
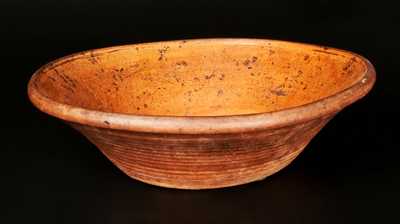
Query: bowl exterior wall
x=203, y=161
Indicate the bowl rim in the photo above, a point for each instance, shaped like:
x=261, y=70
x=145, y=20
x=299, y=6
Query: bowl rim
x=203, y=124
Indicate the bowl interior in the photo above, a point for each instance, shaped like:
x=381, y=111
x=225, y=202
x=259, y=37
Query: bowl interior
x=199, y=78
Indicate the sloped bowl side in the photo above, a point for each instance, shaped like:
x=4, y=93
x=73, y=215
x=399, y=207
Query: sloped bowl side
x=204, y=113
x=202, y=161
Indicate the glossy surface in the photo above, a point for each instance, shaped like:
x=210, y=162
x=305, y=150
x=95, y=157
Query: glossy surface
x=201, y=113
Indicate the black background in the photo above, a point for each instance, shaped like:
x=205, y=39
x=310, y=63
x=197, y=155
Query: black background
x=51, y=174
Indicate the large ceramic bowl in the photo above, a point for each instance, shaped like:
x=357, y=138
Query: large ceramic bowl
x=204, y=113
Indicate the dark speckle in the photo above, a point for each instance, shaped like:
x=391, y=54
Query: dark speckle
x=145, y=105
x=209, y=76
x=162, y=52
x=278, y=91
x=106, y=122
x=254, y=59
x=306, y=57
x=196, y=79
x=222, y=77
x=220, y=92
x=182, y=63
x=246, y=62
x=137, y=108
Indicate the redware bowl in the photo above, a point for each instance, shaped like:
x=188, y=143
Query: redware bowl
x=205, y=113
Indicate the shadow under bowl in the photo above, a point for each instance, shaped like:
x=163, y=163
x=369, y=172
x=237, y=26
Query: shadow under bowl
x=204, y=113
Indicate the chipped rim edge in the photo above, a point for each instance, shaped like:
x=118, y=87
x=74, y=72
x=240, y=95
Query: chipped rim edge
x=204, y=124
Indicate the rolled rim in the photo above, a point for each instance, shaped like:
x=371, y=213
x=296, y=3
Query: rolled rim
x=203, y=124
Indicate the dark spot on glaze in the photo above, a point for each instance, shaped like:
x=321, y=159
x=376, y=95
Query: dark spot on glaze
x=246, y=62
x=254, y=59
x=137, y=108
x=306, y=57
x=182, y=63
x=106, y=122
x=209, y=76
x=196, y=79
x=278, y=91
x=349, y=64
x=145, y=105
x=299, y=72
x=162, y=52
x=220, y=92
x=222, y=77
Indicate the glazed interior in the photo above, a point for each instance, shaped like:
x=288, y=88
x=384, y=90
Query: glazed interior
x=199, y=78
